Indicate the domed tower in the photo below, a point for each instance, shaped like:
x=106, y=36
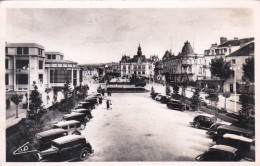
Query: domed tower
x=187, y=49
x=139, y=52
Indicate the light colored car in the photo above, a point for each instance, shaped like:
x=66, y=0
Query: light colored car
x=71, y=126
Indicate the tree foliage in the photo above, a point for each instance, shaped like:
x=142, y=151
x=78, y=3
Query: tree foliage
x=249, y=70
x=16, y=99
x=168, y=89
x=220, y=68
x=35, y=100
x=196, y=99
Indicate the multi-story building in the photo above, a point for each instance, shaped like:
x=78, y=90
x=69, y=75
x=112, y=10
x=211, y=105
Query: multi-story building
x=139, y=65
x=158, y=72
x=237, y=59
x=28, y=63
x=186, y=65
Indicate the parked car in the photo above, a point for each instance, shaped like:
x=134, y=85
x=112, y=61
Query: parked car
x=165, y=99
x=92, y=100
x=213, y=128
x=220, y=153
x=177, y=105
x=158, y=97
x=233, y=115
x=224, y=129
x=67, y=148
x=140, y=84
x=96, y=94
x=87, y=105
x=154, y=95
x=84, y=111
x=43, y=139
x=203, y=121
x=73, y=127
x=76, y=116
x=241, y=143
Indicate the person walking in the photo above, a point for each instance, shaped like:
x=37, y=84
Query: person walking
x=108, y=104
x=100, y=100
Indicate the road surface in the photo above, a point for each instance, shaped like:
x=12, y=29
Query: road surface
x=138, y=128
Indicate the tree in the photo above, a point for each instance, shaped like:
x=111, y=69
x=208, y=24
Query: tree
x=7, y=103
x=48, y=90
x=66, y=89
x=220, y=68
x=176, y=89
x=168, y=89
x=212, y=96
x=226, y=95
x=249, y=70
x=55, y=93
x=35, y=100
x=16, y=99
x=196, y=99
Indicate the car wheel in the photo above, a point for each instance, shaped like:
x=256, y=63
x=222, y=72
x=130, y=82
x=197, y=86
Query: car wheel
x=197, y=125
x=75, y=133
x=83, y=155
x=82, y=126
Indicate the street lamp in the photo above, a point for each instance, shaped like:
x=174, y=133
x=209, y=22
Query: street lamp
x=235, y=67
x=106, y=72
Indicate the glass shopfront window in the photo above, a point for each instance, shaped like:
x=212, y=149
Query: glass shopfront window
x=60, y=76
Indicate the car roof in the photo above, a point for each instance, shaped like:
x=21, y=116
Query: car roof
x=224, y=148
x=79, y=110
x=50, y=132
x=223, y=123
x=234, y=128
x=65, y=123
x=238, y=137
x=174, y=100
x=69, y=138
x=72, y=114
x=207, y=115
x=84, y=102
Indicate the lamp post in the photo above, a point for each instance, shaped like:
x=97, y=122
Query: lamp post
x=106, y=72
x=234, y=67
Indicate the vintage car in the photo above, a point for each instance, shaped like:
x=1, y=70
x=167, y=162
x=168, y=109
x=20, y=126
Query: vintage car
x=94, y=94
x=154, y=95
x=213, y=128
x=165, y=99
x=140, y=84
x=92, y=100
x=177, y=105
x=43, y=139
x=87, y=113
x=224, y=129
x=203, y=121
x=87, y=105
x=76, y=116
x=71, y=126
x=220, y=153
x=158, y=97
x=241, y=143
x=67, y=148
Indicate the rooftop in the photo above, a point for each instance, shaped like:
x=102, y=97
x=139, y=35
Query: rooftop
x=59, y=61
x=238, y=137
x=72, y=114
x=30, y=45
x=54, y=52
x=236, y=42
x=245, y=50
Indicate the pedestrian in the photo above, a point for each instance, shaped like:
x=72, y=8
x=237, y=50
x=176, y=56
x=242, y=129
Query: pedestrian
x=100, y=100
x=110, y=93
x=108, y=104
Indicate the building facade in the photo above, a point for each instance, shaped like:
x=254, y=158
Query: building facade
x=186, y=66
x=27, y=64
x=138, y=65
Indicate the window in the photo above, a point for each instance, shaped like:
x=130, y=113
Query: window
x=74, y=77
x=53, y=56
x=65, y=127
x=40, y=78
x=233, y=61
x=40, y=64
x=49, y=57
x=200, y=70
x=143, y=72
x=6, y=50
x=6, y=79
x=60, y=76
x=72, y=126
x=22, y=64
x=25, y=50
x=6, y=63
x=39, y=51
x=19, y=50
x=212, y=52
x=21, y=79
x=124, y=67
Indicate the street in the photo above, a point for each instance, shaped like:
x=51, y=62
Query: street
x=138, y=128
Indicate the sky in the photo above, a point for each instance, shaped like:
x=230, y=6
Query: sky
x=93, y=35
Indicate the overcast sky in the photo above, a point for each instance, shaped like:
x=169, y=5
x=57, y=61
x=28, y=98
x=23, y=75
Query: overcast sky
x=104, y=35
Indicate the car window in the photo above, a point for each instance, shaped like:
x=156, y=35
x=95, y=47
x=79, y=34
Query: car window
x=207, y=119
x=65, y=127
x=72, y=126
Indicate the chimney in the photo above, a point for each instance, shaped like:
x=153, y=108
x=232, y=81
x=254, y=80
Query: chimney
x=223, y=40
